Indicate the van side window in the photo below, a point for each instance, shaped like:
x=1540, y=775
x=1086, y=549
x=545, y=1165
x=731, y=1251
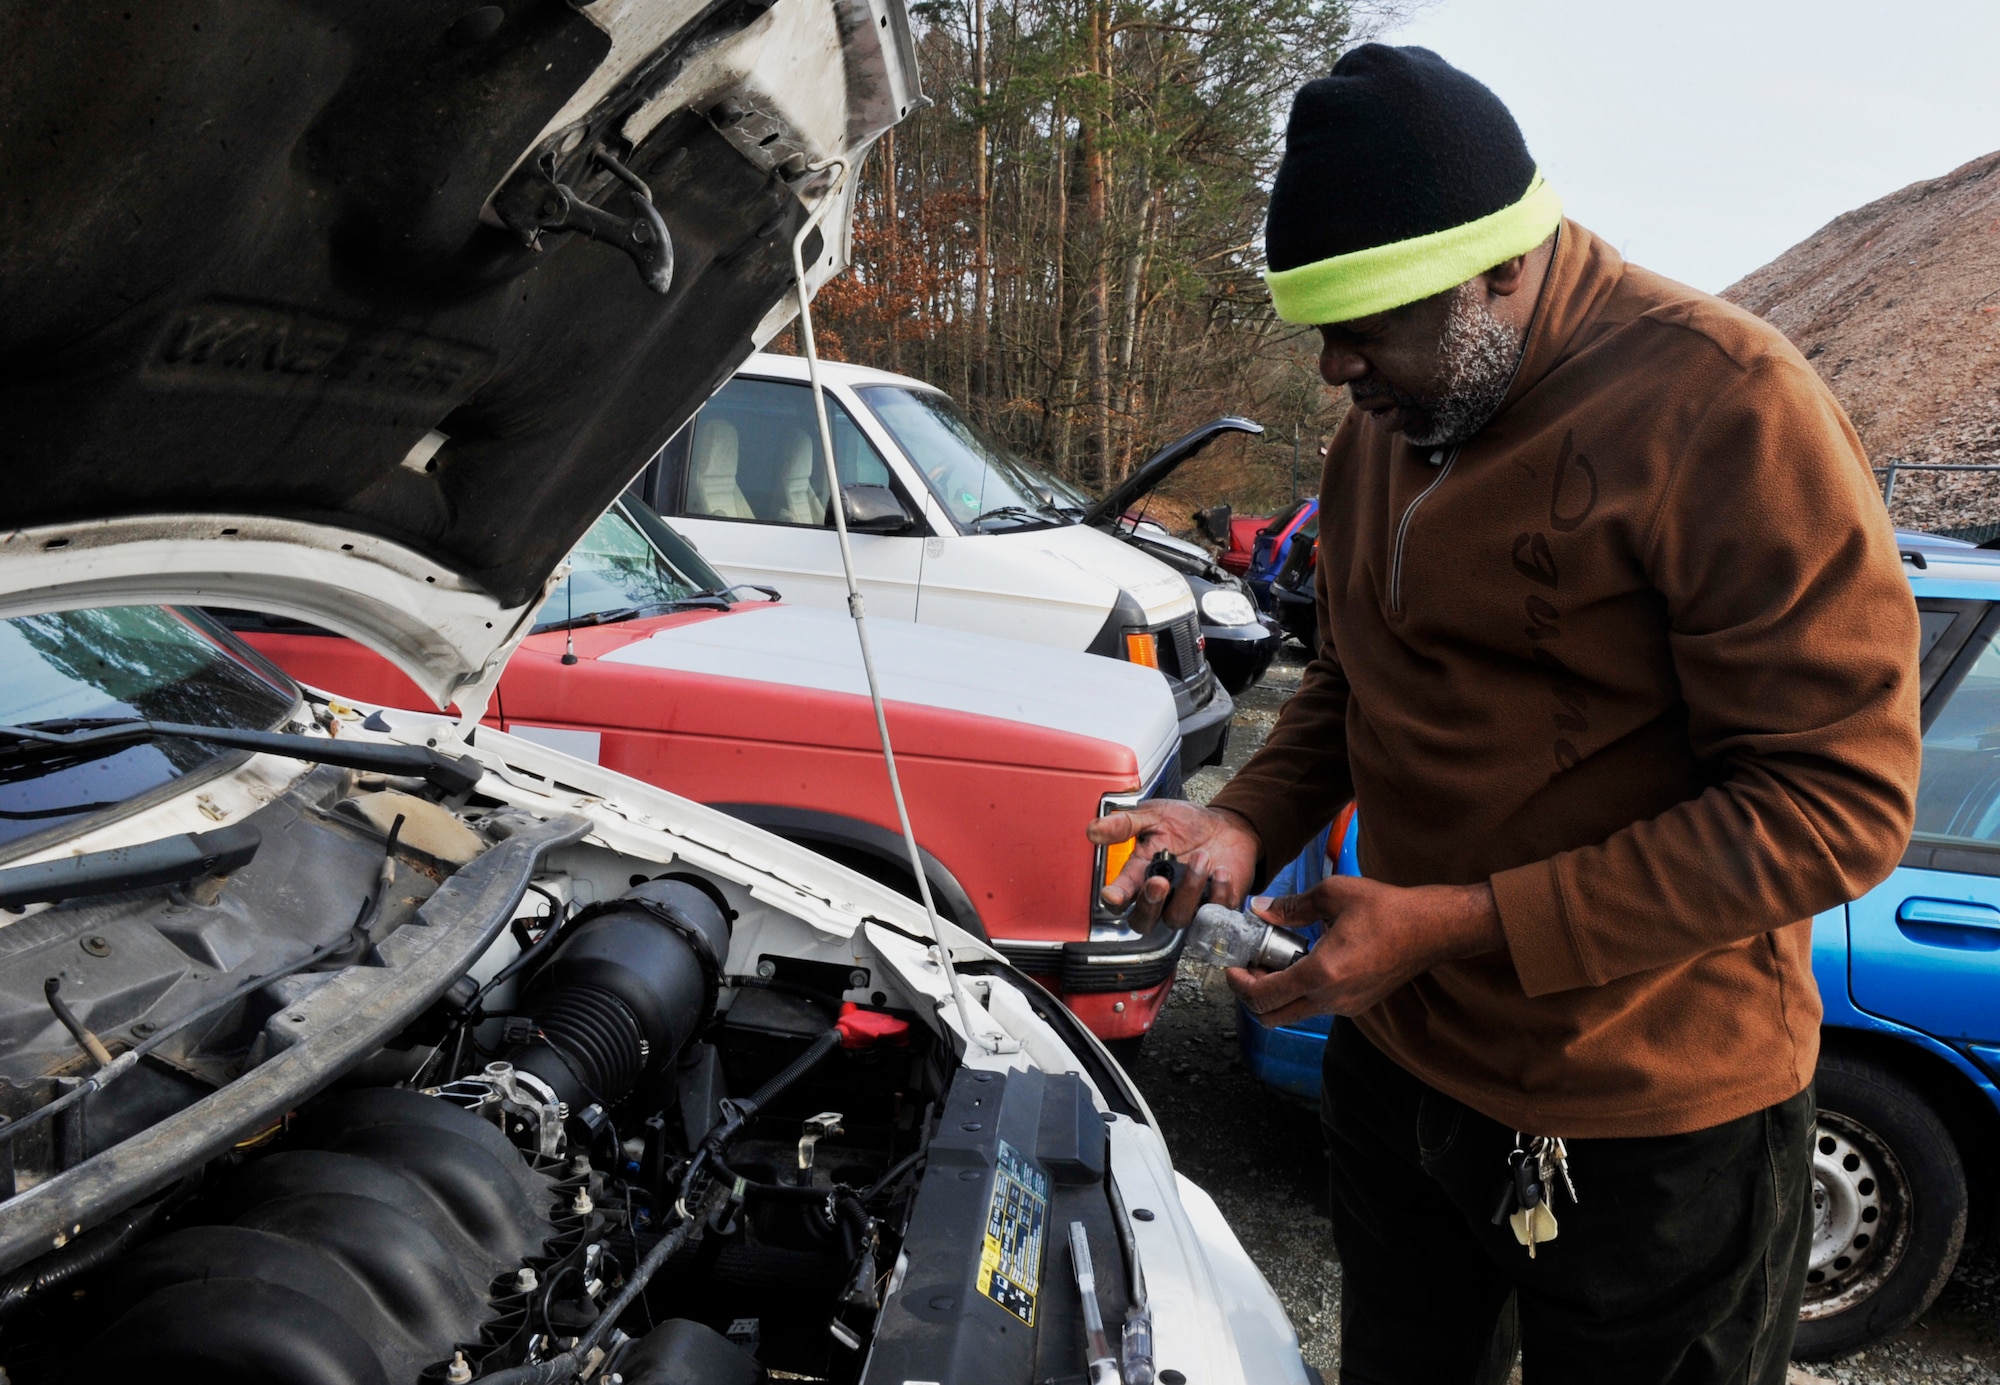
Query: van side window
x=1958, y=794
x=754, y=454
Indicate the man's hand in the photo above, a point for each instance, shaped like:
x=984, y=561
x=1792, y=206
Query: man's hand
x=1378, y=938
x=1217, y=847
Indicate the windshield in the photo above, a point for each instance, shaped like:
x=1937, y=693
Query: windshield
x=121, y=661
x=629, y=563
x=980, y=483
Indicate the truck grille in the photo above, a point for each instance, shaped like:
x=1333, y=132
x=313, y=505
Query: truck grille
x=1180, y=649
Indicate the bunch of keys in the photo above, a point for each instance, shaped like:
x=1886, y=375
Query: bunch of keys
x=1524, y=1202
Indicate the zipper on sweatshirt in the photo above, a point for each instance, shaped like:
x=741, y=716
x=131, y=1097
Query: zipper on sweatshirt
x=1403, y=531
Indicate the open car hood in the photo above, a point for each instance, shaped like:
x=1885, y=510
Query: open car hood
x=1161, y=464
x=355, y=313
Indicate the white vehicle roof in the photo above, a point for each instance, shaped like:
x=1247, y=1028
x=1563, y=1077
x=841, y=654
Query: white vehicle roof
x=775, y=367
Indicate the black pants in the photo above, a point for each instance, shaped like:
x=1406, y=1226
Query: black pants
x=1682, y=1261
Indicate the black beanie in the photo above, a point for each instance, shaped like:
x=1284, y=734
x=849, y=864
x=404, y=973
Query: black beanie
x=1397, y=146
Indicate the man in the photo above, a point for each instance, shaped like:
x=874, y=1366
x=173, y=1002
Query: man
x=1616, y=658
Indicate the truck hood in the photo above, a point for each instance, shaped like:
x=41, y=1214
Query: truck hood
x=926, y=666
x=364, y=317
x=1161, y=465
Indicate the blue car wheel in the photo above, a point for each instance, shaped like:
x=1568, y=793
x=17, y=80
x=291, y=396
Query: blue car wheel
x=1888, y=1207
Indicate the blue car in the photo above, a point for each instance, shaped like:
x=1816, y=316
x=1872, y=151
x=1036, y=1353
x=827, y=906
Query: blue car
x=1275, y=543
x=1909, y=1110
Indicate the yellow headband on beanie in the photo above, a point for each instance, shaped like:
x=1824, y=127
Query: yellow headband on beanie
x=1364, y=282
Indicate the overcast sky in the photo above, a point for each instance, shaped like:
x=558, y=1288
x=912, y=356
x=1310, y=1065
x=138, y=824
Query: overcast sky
x=1705, y=137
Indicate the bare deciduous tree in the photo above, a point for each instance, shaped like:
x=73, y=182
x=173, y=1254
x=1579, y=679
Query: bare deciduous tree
x=1069, y=238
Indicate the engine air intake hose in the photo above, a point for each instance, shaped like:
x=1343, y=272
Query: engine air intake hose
x=623, y=992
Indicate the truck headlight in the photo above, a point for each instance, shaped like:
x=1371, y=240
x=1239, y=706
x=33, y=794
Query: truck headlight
x=1225, y=607
x=1111, y=859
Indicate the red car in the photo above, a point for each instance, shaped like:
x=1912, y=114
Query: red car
x=642, y=662
x=1238, y=537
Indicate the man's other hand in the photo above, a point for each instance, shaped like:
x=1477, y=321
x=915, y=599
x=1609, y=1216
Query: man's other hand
x=1378, y=938
x=1217, y=847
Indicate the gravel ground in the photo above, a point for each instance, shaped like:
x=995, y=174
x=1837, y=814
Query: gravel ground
x=1261, y=1157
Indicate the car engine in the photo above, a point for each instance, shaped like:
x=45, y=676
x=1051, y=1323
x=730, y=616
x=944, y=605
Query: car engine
x=397, y=1086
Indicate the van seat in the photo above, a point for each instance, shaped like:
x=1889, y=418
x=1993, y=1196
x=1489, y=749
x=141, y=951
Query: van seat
x=712, y=488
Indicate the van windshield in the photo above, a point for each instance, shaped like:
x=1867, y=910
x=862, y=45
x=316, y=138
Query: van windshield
x=983, y=486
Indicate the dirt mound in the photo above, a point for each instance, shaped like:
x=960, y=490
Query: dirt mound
x=1897, y=304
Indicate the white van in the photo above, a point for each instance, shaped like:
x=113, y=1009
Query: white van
x=948, y=527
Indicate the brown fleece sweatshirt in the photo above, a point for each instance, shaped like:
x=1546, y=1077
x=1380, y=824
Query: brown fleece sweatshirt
x=1641, y=654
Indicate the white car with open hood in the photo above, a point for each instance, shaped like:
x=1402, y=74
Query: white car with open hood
x=340, y=1047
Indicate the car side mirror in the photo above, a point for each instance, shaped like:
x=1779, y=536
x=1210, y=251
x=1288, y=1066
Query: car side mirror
x=1214, y=522
x=875, y=510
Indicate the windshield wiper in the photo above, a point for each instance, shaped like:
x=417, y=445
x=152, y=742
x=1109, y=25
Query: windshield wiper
x=1010, y=512
x=1046, y=502
x=723, y=594
x=700, y=600
x=609, y=617
x=452, y=775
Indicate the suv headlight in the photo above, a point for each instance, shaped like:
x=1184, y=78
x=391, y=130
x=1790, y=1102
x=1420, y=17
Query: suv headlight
x=1225, y=607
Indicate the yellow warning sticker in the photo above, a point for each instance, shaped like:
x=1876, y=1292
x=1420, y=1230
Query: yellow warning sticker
x=1010, y=1262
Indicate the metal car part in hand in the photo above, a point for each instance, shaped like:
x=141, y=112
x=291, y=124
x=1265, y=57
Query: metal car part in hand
x=1225, y=937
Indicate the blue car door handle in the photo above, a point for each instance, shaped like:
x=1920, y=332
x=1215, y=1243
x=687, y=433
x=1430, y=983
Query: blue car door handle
x=1953, y=923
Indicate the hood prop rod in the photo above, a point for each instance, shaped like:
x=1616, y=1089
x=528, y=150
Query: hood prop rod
x=829, y=200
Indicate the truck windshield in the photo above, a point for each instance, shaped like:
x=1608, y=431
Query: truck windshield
x=980, y=483
x=114, y=662
x=629, y=563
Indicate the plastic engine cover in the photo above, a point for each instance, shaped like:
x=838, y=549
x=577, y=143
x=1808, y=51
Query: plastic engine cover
x=361, y=1253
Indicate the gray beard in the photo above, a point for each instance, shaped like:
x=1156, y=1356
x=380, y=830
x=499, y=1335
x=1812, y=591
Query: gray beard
x=1476, y=357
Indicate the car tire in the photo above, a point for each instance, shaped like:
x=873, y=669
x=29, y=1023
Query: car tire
x=1888, y=1207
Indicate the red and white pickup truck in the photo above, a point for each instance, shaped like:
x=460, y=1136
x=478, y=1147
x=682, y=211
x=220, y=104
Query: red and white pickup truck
x=641, y=661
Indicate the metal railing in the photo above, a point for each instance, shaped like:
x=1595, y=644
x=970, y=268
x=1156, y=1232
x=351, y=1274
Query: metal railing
x=1889, y=472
